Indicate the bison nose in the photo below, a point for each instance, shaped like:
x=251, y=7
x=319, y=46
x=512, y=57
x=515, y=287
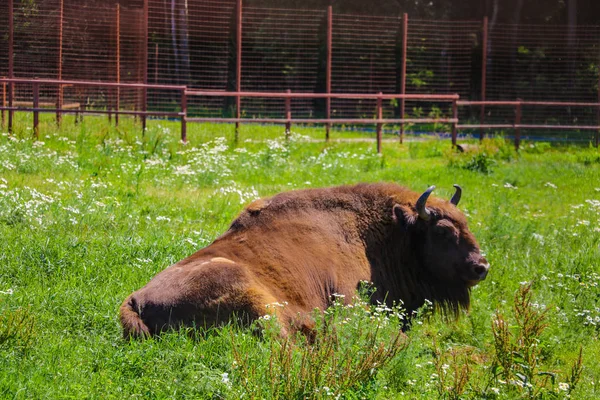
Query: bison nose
x=481, y=270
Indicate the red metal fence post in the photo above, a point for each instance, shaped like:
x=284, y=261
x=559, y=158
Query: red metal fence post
x=597, y=135
x=36, y=106
x=184, y=115
x=59, y=97
x=484, y=43
x=518, y=111
x=379, y=124
x=3, y=104
x=145, y=67
x=11, y=40
x=455, y=121
x=118, y=65
x=238, y=70
x=288, y=114
x=328, y=69
x=111, y=91
x=403, y=71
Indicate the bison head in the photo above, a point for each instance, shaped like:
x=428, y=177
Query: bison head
x=446, y=251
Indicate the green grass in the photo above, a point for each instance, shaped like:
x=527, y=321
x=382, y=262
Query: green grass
x=90, y=213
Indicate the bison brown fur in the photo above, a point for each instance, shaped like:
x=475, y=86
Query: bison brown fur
x=303, y=246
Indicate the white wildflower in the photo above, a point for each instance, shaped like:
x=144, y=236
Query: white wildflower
x=245, y=195
x=225, y=377
x=184, y=170
x=593, y=203
x=190, y=241
x=72, y=210
x=7, y=165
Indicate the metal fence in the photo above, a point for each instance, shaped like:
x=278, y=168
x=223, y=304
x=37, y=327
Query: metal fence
x=222, y=45
x=453, y=124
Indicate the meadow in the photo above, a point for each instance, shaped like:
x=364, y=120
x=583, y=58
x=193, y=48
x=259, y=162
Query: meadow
x=89, y=213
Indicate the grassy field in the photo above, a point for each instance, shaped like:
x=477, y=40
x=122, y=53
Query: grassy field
x=89, y=214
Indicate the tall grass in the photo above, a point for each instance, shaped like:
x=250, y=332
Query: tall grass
x=90, y=213
x=349, y=346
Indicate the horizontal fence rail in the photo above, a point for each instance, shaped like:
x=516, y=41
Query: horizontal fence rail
x=283, y=95
x=112, y=109
x=59, y=107
x=517, y=124
x=288, y=96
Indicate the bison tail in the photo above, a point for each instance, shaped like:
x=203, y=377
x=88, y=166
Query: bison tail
x=133, y=325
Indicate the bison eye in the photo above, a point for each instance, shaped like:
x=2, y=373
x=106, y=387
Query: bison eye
x=447, y=231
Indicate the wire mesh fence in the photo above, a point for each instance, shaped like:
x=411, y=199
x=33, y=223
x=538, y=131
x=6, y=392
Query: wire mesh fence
x=538, y=62
x=192, y=43
x=226, y=46
x=365, y=53
x=441, y=55
x=280, y=51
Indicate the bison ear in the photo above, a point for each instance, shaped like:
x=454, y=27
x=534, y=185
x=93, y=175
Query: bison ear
x=403, y=216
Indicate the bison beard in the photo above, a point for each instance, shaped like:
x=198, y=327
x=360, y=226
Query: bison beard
x=301, y=247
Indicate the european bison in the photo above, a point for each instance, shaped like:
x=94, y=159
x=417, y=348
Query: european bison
x=303, y=246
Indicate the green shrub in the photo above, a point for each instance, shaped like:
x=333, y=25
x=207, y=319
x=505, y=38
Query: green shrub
x=481, y=157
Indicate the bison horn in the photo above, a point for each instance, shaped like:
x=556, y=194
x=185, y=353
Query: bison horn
x=456, y=198
x=420, y=206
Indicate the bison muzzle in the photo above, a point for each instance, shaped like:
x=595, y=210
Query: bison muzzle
x=301, y=247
